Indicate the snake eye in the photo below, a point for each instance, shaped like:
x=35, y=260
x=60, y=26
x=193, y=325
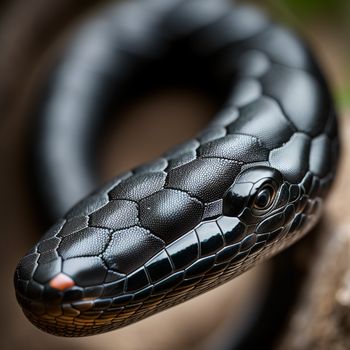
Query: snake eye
x=255, y=188
x=264, y=198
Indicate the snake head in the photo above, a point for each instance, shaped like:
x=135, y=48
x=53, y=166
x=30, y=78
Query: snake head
x=117, y=258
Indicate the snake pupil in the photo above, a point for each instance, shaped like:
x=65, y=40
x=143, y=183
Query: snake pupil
x=264, y=198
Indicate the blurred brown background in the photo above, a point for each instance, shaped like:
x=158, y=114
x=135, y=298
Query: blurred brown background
x=31, y=34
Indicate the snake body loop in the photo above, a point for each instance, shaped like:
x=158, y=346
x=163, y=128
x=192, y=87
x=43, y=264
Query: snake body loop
x=249, y=185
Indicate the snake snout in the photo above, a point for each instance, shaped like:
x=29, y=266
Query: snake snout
x=55, y=293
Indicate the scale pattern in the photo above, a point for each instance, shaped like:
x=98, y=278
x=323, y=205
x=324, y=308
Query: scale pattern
x=157, y=236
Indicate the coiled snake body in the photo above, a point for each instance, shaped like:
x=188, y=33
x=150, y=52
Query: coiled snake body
x=248, y=186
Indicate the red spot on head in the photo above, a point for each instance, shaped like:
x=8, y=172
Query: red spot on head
x=61, y=282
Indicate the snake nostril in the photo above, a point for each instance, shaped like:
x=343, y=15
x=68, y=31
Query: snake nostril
x=61, y=282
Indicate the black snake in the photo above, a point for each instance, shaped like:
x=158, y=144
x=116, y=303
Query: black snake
x=249, y=185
